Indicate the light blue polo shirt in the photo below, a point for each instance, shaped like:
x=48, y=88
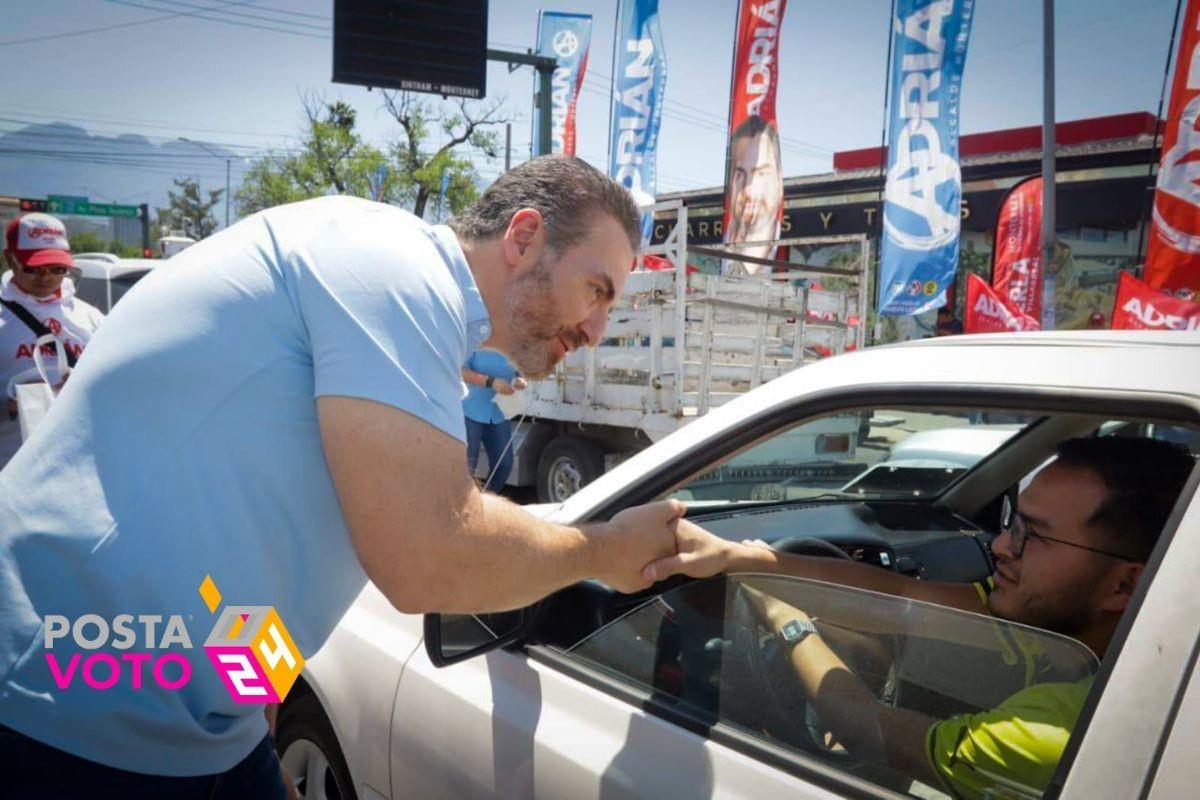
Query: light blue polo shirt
x=186, y=444
x=480, y=403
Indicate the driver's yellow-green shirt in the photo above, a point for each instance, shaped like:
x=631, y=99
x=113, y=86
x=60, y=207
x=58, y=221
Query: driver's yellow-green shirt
x=1012, y=750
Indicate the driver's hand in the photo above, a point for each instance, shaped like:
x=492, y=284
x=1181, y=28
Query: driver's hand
x=699, y=555
x=502, y=386
x=519, y=383
x=634, y=538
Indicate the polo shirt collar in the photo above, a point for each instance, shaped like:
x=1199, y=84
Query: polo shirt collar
x=479, y=324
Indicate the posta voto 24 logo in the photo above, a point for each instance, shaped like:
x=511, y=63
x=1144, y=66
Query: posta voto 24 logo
x=249, y=646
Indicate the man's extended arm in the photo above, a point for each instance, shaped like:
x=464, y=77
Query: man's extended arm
x=430, y=541
x=700, y=554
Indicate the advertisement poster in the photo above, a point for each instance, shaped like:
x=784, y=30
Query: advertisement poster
x=565, y=37
x=754, y=172
x=639, y=80
x=921, y=210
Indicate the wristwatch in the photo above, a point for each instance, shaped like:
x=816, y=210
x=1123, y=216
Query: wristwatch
x=794, y=631
x=488, y=383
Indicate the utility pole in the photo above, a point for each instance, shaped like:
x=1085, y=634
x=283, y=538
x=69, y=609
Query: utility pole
x=545, y=68
x=227, y=161
x=1049, y=146
x=507, y=146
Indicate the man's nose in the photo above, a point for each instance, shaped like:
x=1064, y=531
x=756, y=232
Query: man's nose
x=1002, y=546
x=593, y=327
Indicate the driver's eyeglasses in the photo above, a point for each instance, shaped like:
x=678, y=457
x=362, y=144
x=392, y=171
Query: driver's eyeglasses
x=1012, y=522
x=59, y=270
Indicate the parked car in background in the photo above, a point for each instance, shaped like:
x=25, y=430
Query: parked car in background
x=103, y=278
x=674, y=691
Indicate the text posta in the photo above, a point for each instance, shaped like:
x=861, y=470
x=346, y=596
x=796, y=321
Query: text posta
x=102, y=670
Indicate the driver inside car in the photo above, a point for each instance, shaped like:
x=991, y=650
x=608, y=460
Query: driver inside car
x=1068, y=560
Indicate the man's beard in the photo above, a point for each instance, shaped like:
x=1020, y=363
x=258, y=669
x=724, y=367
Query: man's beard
x=533, y=322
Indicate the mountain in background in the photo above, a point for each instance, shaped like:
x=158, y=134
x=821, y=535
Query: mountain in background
x=130, y=169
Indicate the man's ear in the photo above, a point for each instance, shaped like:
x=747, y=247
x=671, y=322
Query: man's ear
x=1123, y=582
x=523, y=240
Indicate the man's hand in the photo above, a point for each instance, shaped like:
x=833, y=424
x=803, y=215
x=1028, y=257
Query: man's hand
x=519, y=383
x=632, y=539
x=773, y=612
x=698, y=554
x=502, y=386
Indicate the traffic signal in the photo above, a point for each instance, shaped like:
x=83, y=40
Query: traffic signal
x=28, y=206
x=147, y=252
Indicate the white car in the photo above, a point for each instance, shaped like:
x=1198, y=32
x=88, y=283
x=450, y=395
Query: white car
x=102, y=279
x=673, y=693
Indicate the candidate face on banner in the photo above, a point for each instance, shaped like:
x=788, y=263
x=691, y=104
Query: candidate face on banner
x=1173, y=256
x=1017, y=256
x=639, y=80
x=565, y=37
x=924, y=183
x=754, y=175
x=1140, y=306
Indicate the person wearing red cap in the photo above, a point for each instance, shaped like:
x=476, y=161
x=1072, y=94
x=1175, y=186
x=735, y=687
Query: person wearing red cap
x=37, y=297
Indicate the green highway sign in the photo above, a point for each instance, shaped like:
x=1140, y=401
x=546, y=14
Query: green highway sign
x=67, y=204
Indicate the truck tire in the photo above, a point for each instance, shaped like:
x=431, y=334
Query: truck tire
x=567, y=465
x=308, y=748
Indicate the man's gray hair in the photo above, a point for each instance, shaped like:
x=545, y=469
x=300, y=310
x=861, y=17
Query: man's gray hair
x=567, y=191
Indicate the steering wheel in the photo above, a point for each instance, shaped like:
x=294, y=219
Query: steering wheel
x=808, y=546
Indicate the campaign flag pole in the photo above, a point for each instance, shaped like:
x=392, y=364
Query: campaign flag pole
x=565, y=38
x=1173, y=252
x=1049, y=147
x=754, y=174
x=923, y=190
x=639, y=81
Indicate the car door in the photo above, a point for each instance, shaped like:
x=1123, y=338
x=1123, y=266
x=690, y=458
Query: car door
x=541, y=721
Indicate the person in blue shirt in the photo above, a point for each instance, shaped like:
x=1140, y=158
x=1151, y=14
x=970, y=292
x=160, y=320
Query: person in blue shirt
x=488, y=373
x=262, y=426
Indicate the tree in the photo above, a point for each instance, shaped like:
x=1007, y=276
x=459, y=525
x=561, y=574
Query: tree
x=331, y=159
x=89, y=242
x=189, y=211
x=462, y=122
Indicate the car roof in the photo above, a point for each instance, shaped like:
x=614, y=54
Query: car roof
x=100, y=269
x=1137, y=364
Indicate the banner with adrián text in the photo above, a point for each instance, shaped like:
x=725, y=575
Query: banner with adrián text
x=1173, y=256
x=921, y=223
x=1140, y=306
x=639, y=80
x=565, y=37
x=988, y=312
x=753, y=168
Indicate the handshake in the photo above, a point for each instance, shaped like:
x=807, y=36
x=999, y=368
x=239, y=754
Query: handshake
x=649, y=543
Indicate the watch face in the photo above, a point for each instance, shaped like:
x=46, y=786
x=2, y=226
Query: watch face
x=795, y=630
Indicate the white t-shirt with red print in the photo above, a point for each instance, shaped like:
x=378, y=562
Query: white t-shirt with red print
x=70, y=319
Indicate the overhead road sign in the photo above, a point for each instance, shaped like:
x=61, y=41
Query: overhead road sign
x=81, y=206
x=438, y=48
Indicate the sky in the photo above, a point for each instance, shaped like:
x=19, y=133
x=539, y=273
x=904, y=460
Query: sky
x=166, y=69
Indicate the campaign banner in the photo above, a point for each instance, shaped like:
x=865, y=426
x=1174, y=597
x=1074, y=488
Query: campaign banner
x=919, y=253
x=639, y=80
x=988, y=312
x=565, y=37
x=753, y=167
x=1140, y=306
x=1173, y=255
x=1017, y=254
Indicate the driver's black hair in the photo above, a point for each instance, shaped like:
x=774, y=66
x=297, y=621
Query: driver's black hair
x=1142, y=477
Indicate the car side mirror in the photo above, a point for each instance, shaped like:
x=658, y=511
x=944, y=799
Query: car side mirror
x=451, y=638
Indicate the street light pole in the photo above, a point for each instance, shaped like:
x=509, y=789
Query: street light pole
x=227, y=161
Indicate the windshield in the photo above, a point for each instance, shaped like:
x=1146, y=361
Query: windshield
x=870, y=454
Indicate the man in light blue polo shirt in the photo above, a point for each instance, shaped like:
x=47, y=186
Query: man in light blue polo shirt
x=279, y=409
